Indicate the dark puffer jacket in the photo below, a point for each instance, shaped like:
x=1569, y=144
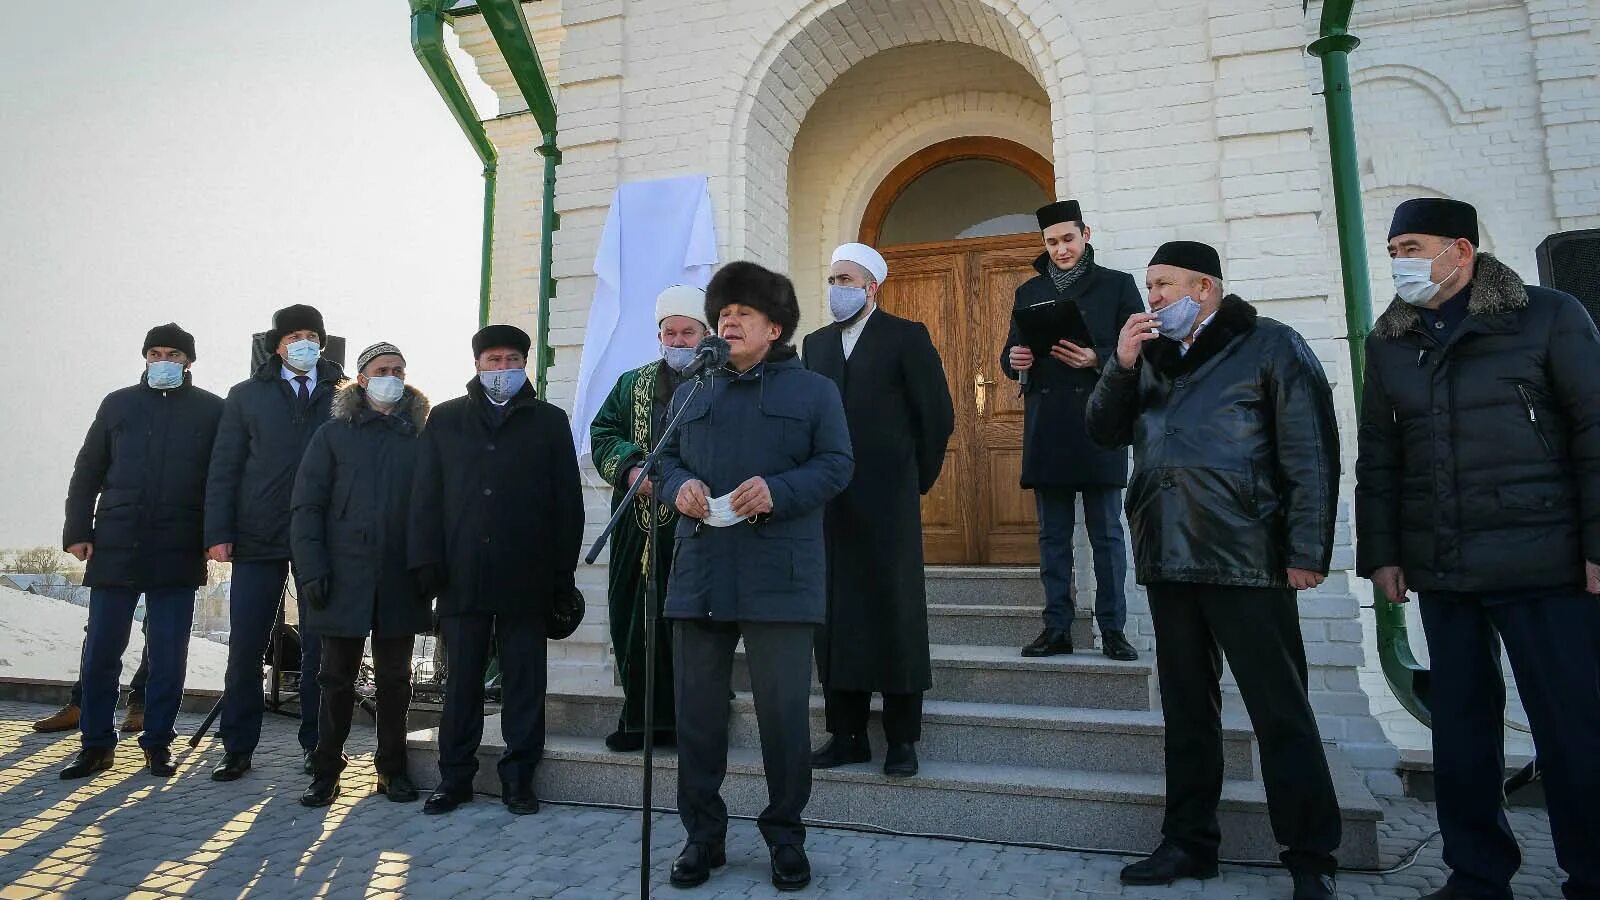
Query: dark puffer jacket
x=144, y=460
x=1235, y=453
x=1479, y=464
x=264, y=432
x=351, y=501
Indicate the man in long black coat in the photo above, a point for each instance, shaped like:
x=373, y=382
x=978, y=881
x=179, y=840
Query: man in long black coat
x=897, y=403
x=352, y=498
x=267, y=421
x=496, y=523
x=1478, y=486
x=1232, y=503
x=133, y=514
x=1059, y=461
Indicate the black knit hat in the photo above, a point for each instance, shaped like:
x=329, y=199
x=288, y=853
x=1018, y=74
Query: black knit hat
x=1436, y=216
x=170, y=335
x=1058, y=212
x=492, y=336
x=751, y=285
x=298, y=317
x=1191, y=255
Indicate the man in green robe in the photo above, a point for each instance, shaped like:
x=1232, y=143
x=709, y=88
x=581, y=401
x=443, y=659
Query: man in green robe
x=625, y=429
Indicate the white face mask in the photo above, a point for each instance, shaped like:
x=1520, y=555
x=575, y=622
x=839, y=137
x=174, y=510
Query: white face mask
x=302, y=355
x=163, y=375
x=1413, y=278
x=386, y=389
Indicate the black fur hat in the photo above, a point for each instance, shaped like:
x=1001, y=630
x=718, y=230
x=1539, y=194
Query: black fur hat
x=170, y=335
x=751, y=285
x=298, y=317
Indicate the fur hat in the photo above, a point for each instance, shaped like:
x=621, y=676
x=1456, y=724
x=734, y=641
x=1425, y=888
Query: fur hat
x=751, y=285
x=298, y=317
x=170, y=335
x=491, y=336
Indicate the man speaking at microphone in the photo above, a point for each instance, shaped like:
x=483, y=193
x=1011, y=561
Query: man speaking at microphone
x=762, y=447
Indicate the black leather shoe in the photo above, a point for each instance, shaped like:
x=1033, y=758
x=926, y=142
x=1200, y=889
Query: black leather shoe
x=842, y=750
x=620, y=741
x=399, y=787
x=1114, y=644
x=90, y=761
x=232, y=768
x=1169, y=863
x=520, y=799
x=900, y=760
x=693, y=866
x=305, y=763
x=1312, y=886
x=159, y=762
x=445, y=798
x=1050, y=642
x=791, y=871
x=324, y=790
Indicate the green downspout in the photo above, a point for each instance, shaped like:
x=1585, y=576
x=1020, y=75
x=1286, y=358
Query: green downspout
x=1406, y=677
x=427, y=42
x=511, y=35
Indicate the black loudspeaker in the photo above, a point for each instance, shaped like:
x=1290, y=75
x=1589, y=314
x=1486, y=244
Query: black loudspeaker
x=1570, y=262
x=260, y=350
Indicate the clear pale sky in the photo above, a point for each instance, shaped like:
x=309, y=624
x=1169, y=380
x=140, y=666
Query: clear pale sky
x=207, y=163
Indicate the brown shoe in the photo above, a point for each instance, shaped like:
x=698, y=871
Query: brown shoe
x=64, y=719
x=134, y=720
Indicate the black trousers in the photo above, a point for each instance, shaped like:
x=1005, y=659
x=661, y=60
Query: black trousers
x=1551, y=639
x=391, y=668
x=902, y=714
x=779, y=655
x=1259, y=630
x=469, y=641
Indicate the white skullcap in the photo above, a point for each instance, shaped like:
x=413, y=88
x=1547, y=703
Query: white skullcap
x=865, y=257
x=681, y=300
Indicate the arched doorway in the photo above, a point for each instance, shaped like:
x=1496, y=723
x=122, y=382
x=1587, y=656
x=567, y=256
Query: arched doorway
x=955, y=221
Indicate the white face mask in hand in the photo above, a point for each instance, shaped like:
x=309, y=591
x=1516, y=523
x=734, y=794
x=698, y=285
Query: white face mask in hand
x=721, y=512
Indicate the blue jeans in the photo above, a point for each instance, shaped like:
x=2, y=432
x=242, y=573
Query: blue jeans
x=252, y=610
x=168, y=614
x=1102, y=511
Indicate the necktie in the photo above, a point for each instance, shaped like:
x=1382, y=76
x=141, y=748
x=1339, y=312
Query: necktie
x=304, y=390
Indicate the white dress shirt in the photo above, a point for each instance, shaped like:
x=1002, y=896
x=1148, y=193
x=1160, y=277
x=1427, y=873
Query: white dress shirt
x=290, y=375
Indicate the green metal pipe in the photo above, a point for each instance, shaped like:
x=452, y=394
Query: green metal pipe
x=427, y=43
x=547, y=282
x=1406, y=677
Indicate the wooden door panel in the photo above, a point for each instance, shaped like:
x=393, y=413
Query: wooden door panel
x=1011, y=530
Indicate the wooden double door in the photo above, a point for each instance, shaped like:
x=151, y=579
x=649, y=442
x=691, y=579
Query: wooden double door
x=962, y=291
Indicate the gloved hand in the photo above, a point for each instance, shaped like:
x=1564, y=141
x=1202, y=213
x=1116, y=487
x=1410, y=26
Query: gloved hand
x=315, y=593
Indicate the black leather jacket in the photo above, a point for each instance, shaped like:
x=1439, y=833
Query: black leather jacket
x=1235, y=453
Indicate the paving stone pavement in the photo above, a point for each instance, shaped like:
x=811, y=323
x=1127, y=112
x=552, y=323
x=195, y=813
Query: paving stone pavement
x=125, y=834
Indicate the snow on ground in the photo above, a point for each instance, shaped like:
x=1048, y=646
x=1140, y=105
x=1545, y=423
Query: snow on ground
x=43, y=638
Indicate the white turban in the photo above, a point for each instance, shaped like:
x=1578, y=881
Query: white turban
x=681, y=300
x=865, y=257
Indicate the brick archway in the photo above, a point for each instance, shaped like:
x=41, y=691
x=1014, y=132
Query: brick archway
x=926, y=160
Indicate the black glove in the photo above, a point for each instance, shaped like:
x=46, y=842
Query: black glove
x=315, y=593
x=429, y=580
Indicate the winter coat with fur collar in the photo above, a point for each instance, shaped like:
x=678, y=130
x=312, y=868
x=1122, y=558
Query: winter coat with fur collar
x=348, y=525
x=1479, y=466
x=1235, y=453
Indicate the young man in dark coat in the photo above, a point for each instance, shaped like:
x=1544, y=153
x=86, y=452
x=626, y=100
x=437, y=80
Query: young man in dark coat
x=267, y=422
x=352, y=498
x=897, y=404
x=1478, y=486
x=133, y=514
x=496, y=523
x=763, y=447
x=1059, y=461
x=1232, y=503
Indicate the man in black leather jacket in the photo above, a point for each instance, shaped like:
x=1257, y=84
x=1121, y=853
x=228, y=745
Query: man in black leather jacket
x=1231, y=506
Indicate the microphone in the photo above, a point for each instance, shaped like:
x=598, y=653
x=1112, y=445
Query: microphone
x=711, y=353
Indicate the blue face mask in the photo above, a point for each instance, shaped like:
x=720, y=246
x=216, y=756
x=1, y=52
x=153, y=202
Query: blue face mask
x=844, y=302
x=1176, y=320
x=163, y=375
x=502, y=384
x=386, y=389
x=677, y=358
x=303, y=355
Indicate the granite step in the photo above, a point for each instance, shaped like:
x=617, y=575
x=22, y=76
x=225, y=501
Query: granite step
x=975, y=674
x=994, y=625
x=985, y=585
x=1102, y=810
x=1091, y=740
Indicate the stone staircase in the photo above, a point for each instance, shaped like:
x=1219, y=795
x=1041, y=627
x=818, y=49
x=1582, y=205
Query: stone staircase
x=1065, y=750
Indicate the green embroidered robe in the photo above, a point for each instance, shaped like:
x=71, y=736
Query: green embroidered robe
x=625, y=429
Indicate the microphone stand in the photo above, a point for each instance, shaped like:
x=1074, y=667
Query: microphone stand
x=646, y=469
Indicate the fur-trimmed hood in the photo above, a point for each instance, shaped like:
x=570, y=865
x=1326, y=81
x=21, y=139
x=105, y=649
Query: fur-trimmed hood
x=1496, y=290
x=351, y=400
